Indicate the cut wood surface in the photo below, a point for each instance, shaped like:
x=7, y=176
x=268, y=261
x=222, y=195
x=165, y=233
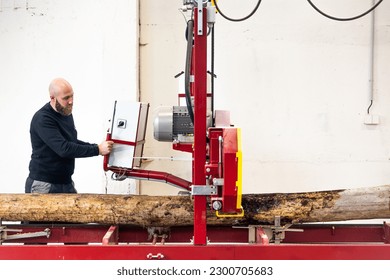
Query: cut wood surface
x=147, y=211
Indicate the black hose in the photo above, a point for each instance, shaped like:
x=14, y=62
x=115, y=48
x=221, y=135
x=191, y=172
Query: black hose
x=344, y=19
x=187, y=74
x=237, y=19
x=212, y=76
x=369, y=107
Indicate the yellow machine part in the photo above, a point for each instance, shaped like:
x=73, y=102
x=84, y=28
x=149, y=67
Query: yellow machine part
x=239, y=170
x=238, y=182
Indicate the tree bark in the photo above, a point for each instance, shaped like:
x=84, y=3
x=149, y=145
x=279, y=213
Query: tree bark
x=166, y=211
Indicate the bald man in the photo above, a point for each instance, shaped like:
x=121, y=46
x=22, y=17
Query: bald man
x=55, y=145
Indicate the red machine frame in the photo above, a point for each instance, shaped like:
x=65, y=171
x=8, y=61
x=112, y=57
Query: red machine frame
x=99, y=242
x=316, y=242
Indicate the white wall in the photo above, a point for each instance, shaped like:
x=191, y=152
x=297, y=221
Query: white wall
x=297, y=84
x=93, y=44
x=162, y=54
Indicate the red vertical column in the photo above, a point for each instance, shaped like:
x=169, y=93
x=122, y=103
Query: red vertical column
x=200, y=108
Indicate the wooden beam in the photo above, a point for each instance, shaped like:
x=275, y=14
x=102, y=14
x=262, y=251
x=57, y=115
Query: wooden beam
x=146, y=211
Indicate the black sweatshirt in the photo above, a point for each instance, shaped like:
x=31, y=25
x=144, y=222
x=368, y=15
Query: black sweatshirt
x=55, y=147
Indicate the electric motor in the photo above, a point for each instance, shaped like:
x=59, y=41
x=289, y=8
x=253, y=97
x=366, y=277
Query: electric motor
x=171, y=123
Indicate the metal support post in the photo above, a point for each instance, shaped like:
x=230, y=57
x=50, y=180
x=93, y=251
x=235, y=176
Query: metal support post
x=200, y=104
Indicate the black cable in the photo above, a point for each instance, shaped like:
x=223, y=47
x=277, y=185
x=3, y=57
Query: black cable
x=187, y=74
x=343, y=19
x=369, y=107
x=238, y=19
x=212, y=76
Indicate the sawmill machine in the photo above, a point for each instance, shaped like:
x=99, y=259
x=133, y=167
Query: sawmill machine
x=194, y=127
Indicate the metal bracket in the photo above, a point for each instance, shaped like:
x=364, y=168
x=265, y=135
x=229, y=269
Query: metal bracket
x=200, y=17
x=4, y=234
x=158, y=232
x=266, y=234
x=278, y=232
x=203, y=190
x=218, y=181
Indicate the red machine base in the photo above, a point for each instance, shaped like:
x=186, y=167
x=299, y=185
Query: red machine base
x=96, y=242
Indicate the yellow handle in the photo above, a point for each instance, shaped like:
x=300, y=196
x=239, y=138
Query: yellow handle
x=230, y=215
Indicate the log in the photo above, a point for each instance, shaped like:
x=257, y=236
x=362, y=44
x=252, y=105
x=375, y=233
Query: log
x=167, y=211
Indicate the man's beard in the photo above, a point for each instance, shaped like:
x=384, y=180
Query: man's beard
x=63, y=110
